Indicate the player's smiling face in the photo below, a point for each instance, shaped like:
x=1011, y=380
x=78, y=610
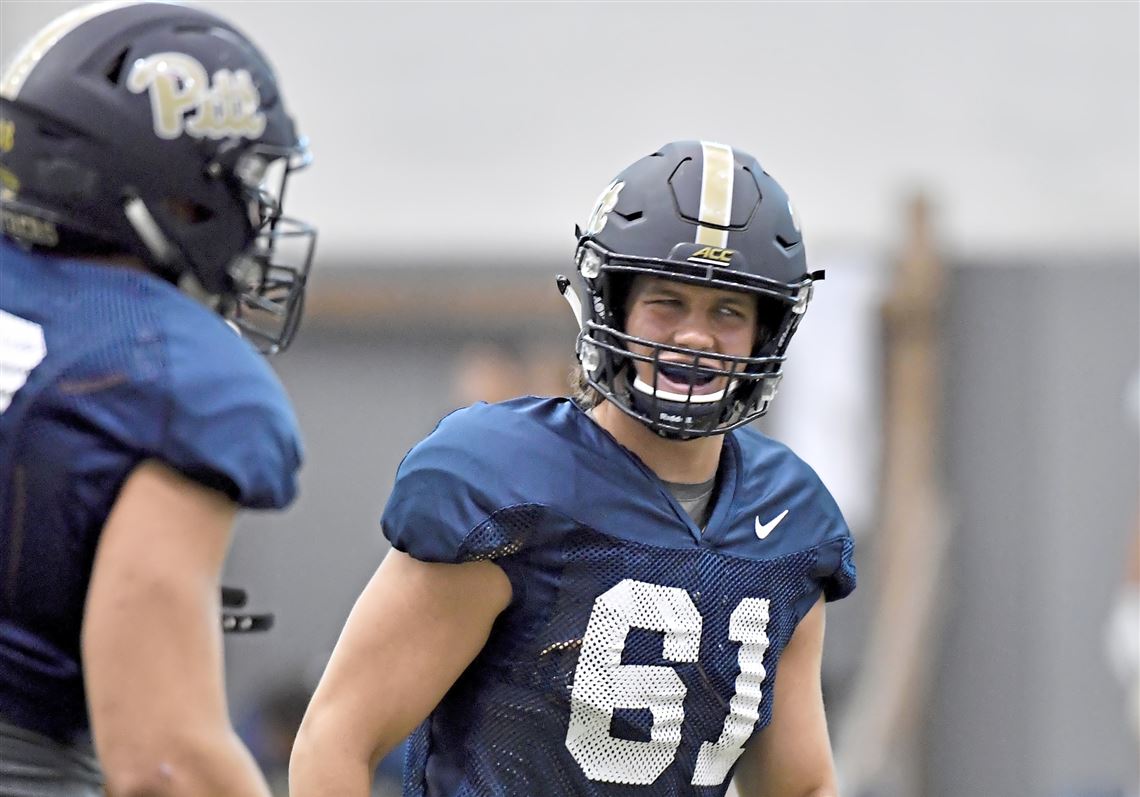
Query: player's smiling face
x=694, y=317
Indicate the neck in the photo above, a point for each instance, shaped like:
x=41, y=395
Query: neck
x=684, y=461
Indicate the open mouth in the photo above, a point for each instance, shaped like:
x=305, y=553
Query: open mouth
x=684, y=375
x=683, y=382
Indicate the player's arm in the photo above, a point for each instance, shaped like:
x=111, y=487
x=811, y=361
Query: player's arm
x=792, y=756
x=412, y=632
x=152, y=644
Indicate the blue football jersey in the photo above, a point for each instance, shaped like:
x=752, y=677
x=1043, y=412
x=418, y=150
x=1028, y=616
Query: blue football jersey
x=639, y=653
x=101, y=368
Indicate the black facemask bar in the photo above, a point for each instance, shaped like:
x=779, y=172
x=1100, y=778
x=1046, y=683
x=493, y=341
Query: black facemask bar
x=271, y=276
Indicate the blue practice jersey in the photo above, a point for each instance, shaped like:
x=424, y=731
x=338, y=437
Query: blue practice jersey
x=639, y=653
x=101, y=368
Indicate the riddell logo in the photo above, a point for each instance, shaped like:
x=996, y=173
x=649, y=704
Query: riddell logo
x=712, y=253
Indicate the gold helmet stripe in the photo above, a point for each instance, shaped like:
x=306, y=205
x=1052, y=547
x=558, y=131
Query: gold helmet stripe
x=716, y=194
x=39, y=45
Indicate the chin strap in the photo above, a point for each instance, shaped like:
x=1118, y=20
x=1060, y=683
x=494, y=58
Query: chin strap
x=571, y=297
x=148, y=231
x=240, y=622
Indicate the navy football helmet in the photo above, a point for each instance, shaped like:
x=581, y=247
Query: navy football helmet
x=708, y=215
x=156, y=130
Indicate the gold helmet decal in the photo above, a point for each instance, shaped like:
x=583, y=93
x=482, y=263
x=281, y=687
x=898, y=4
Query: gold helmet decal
x=716, y=194
x=606, y=202
x=9, y=183
x=178, y=85
x=711, y=255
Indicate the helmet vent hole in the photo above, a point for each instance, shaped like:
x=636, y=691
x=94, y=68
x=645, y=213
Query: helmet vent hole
x=634, y=216
x=786, y=243
x=114, y=70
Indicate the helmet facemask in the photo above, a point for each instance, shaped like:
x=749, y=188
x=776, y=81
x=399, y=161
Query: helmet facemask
x=608, y=353
x=261, y=290
x=270, y=275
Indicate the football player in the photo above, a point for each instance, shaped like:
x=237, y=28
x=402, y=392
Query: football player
x=621, y=594
x=144, y=149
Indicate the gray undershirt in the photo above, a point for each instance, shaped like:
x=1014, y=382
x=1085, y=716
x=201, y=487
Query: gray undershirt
x=32, y=765
x=694, y=499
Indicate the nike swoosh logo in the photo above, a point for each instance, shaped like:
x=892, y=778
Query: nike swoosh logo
x=764, y=529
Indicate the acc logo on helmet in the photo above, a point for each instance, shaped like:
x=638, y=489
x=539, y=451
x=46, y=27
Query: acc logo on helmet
x=712, y=253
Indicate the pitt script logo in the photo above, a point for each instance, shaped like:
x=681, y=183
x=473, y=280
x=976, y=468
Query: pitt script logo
x=179, y=86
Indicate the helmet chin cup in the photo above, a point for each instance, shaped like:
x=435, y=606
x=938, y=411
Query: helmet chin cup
x=675, y=416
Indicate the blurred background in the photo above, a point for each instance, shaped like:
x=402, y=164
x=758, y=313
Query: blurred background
x=969, y=176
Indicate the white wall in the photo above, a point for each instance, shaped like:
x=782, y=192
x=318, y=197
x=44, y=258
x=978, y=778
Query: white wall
x=443, y=128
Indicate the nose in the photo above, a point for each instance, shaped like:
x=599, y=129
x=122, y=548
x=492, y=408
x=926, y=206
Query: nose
x=695, y=332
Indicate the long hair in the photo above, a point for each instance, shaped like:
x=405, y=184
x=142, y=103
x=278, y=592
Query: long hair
x=581, y=391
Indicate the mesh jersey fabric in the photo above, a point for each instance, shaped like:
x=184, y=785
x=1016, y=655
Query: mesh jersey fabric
x=638, y=655
x=127, y=368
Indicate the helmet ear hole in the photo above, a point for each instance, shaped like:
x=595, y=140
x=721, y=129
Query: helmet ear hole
x=186, y=211
x=770, y=314
x=618, y=296
x=114, y=70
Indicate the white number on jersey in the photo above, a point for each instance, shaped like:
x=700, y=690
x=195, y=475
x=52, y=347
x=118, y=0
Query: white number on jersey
x=748, y=625
x=603, y=684
x=22, y=348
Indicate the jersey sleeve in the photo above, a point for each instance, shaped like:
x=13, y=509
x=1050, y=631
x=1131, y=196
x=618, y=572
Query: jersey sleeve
x=834, y=549
x=444, y=490
x=230, y=425
x=820, y=529
x=835, y=567
x=834, y=552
